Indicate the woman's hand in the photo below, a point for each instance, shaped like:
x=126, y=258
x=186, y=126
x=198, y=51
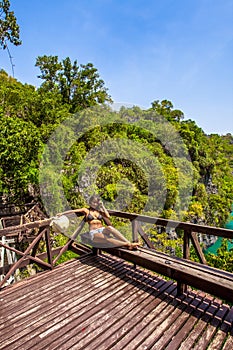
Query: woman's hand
x=102, y=208
x=101, y=205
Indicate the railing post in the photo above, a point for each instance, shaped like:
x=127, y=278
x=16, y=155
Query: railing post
x=134, y=230
x=186, y=248
x=48, y=246
x=96, y=251
x=134, y=224
x=181, y=287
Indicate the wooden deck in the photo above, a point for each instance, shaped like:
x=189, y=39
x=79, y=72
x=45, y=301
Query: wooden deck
x=102, y=302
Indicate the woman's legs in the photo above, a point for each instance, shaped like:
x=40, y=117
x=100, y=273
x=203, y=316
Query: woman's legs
x=115, y=233
x=109, y=242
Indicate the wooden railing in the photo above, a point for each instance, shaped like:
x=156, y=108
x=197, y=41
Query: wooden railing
x=184, y=271
x=35, y=232
x=190, y=231
x=180, y=269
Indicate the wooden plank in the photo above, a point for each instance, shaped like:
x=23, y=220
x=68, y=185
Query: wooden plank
x=179, y=328
x=206, y=333
x=199, y=276
x=126, y=319
x=195, y=326
x=159, y=319
x=211, y=324
x=228, y=344
x=68, y=308
x=40, y=296
x=218, y=340
x=46, y=329
x=31, y=282
x=171, y=322
x=103, y=303
x=185, y=331
x=103, y=316
x=38, y=288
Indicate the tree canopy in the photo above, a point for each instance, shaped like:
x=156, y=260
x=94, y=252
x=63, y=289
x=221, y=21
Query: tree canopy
x=9, y=29
x=78, y=85
x=29, y=116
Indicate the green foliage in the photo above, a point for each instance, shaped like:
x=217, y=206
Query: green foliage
x=78, y=85
x=212, y=183
x=9, y=29
x=133, y=160
x=164, y=243
x=19, y=146
x=16, y=99
x=224, y=258
x=59, y=241
x=165, y=108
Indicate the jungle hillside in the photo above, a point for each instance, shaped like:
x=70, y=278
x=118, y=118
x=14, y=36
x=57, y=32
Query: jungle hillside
x=30, y=115
x=62, y=140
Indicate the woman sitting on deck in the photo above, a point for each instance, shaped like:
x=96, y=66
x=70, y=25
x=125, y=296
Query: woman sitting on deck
x=106, y=235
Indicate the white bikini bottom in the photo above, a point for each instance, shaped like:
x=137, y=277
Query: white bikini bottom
x=96, y=230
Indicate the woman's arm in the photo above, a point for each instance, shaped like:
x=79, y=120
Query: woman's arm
x=103, y=209
x=81, y=210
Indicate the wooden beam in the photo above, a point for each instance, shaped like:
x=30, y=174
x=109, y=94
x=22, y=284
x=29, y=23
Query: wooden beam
x=48, y=246
x=197, y=247
x=14, y=229
x=80, y=249
x=217, y=231
x=145, y=237
x=186, y=245
x=25, y=254
x=41, y=263
x=27, y=260
x=211, y=280
x=70, y=241
x=134, y=224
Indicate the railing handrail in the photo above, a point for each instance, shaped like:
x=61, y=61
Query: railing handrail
x=189, y=227
x=190, y=234
x=30, y=225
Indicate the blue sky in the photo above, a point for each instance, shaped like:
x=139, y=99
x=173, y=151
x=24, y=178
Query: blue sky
x=180, y=50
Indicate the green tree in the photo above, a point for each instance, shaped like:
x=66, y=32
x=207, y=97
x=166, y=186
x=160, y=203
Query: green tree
x=80, y=86
x=165, y=108
x=44, y=109
x=19, y=149
x=17, y=99
x=50, y=68
x=9, y=29
x=223, y=259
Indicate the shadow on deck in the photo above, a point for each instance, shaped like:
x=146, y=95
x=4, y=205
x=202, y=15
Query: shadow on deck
x=102, y=302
